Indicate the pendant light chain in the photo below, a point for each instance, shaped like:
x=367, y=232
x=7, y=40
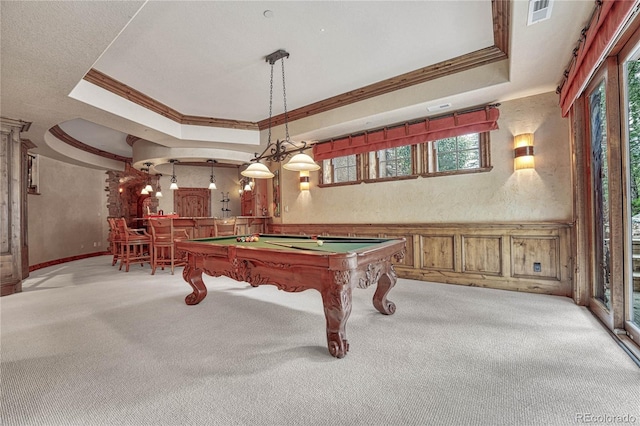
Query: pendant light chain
x=270, y=104
x=280, y=150
x=284, y=95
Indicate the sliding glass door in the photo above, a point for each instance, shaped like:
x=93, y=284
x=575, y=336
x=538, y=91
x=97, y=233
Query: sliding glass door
x=630, y=78
x=607, y=129
x=601, y=284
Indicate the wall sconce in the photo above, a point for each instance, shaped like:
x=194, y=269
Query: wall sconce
x=523, y=152
x=304, y=180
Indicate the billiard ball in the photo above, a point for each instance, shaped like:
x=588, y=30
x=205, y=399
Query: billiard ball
x=320, y=242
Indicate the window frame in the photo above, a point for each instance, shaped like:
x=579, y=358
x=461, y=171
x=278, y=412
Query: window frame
x=367, y=159
x=32, y=178
x=430, y=163
x=351, y=182
x=423, y=163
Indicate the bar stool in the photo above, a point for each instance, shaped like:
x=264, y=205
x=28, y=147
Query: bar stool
x=225, y=226
x=135, y=246
x=115, y=240
x=163, y=238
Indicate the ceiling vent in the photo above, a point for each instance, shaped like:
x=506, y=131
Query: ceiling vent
x=439, y=107
x=539, y=10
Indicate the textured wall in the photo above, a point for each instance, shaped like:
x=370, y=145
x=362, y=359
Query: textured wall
x=501, y=195
x=69, y=218
x=70, y=215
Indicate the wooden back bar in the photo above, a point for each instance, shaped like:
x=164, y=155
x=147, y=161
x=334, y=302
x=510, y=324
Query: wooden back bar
x=530, y=257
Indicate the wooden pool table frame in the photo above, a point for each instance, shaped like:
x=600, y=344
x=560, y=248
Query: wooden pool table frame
x=333, y=274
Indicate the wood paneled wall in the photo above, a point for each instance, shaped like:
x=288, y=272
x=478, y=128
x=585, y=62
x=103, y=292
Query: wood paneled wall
x=531, y=257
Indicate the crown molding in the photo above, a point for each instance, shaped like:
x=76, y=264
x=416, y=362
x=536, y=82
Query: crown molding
x=501, y=16
x=66, y=138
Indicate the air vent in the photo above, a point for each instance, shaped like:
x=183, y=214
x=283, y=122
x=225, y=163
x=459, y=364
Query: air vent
x=539, y=10
x=439, y=107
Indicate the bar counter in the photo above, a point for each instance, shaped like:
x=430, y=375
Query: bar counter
x=203, y=227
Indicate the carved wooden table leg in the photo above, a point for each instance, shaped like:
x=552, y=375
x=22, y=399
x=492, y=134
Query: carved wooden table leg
x=385, y=283
x=193, y=276
x=337, y=308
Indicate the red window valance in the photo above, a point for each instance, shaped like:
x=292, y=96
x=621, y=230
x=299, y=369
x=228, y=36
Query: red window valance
x=604, y=26
x=413, y=133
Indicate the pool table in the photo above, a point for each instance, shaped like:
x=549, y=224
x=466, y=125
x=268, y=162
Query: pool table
x=331, y=265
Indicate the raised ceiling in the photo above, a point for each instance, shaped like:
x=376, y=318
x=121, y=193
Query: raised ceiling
x=206, y=60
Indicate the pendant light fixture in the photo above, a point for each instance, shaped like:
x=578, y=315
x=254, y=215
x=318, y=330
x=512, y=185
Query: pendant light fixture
x=159, y=191
x=174, y=180
x=258, y=171
x=144, y=190
x=281, y=149
x=212, y=179
x=246, y=184
x=148, y=189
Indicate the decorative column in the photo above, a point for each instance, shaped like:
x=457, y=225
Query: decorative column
x=14, y=255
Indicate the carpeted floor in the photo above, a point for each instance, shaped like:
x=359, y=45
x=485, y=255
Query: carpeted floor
x=86, y=344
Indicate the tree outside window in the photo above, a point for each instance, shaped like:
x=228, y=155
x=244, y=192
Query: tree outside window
x=455, y=155
x=633, y=89
x=458, y=153
x=394, y=162
x=344, y=169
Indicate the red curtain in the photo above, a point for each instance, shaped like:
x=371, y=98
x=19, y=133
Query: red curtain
x=410, y=134
x=603, y=28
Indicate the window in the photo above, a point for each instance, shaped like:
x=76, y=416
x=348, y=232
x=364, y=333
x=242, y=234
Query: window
x=33, y=175
x=340, y=170
x=394, y=162
x=454, y=155
x=600, y=165
x=458, y=153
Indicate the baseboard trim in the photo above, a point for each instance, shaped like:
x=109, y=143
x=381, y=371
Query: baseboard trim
x=9, y=287
x=66, y=259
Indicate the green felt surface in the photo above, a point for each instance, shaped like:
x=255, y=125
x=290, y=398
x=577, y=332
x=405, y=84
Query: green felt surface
x=330, y=245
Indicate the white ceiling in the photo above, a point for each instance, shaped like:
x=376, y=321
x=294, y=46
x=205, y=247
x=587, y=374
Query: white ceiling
x=217, y=67
x=208, y=59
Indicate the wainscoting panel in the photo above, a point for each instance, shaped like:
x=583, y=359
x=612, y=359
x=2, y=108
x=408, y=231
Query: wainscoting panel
x=532, y=257
x=482, y=255
x=535, y=257
x=438, y=252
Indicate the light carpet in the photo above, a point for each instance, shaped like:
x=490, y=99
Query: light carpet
x=86, y=344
